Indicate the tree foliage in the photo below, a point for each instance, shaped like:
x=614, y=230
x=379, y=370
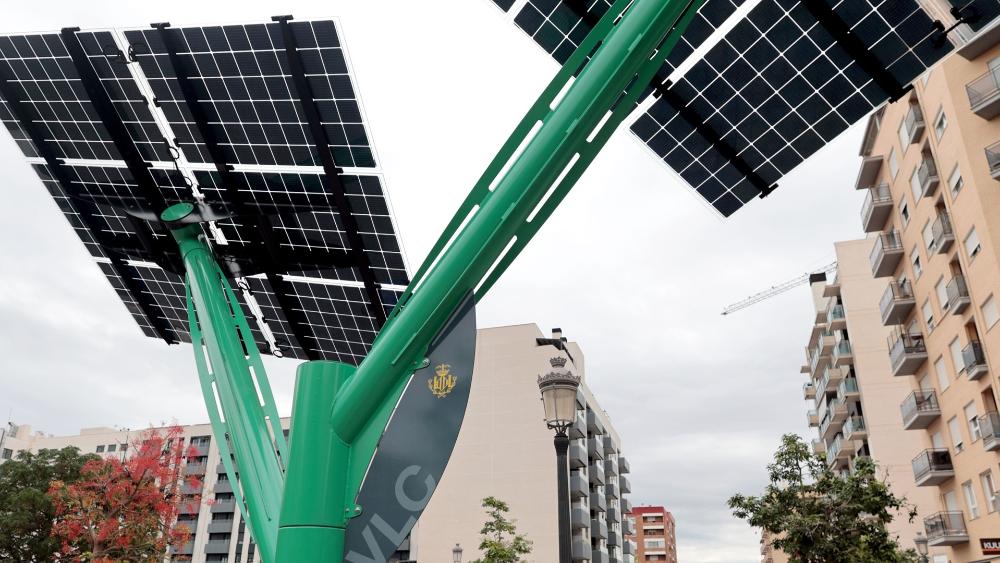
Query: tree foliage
x=124, y=510
x=26, y=512
x=500, y=541
x=818, y=516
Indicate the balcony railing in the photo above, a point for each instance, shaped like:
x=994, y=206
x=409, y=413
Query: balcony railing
x=984, y=94
x=993, y=160
x=958, y=294
x=835, y=317
x=843, y=354
x=919, y=409
x=989, y=426
x=946, y=528
x=941, y=233
x=808, y=391
x=914, y=123
x=896, y=302
x=927, y=174
x=906, y=351
x=974, y=360
x=848, y=389
x=854, y=428
x=877, y=208
x=932, y=467
x=886, y=253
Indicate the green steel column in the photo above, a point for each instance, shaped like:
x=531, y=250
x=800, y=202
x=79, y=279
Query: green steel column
x=627, y=48
x=316, y=508
x=261, y=476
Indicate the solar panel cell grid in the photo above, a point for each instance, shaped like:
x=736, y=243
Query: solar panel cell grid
x=244, y=85
x=776, y=89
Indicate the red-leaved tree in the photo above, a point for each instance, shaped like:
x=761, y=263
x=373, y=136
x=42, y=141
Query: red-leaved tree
x=125, y=510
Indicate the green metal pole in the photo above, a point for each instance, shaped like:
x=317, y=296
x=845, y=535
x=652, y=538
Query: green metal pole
x=219, y=321
x=626, y=49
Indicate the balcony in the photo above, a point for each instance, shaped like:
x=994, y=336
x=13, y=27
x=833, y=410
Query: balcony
x=927, y=175
x=189, y=489
x=958, y=295
x=226, y=505
x=614, y=515
x=835, y=319
x=877, y=208
x=594, y=423
x=579, y=518
x=914, y=124
x=629, y=548
x=579, y=428
x=946, y=528
x=831, y=379
x=832, y=288
x=596, y=473
x=623, y=465
x=818, y=446
x=886, y=254
x=896, y=303
x=837, y=453
x=610, y=467
x=598, y=556
x=993, y=160
x=611, y=492
x=919, y=410
x=581, y=550
x=868, y=173
x=614, y=540
x=826, y=342
x=215, y=547
x=907, y=352
x=598, y=529
x=975, y=361
x=628, y=528
x=223, y=486
x=808, y=391
x=932, y=467
x=812, y=418
x=186, y=549
x=854, y=428
x=843, y=354
x=194, y=469
x=942, y=235
x=595, y=448
x=625, y=485
x=577, y=456
x=578, y=487
x=848, y=390
x=984, y=94
x=609, y=445
x=220, y=526
x=837, y=416
x=989, y=427
x=199, y=449
x=626, y=506
x=189, y=507
x=598, y=502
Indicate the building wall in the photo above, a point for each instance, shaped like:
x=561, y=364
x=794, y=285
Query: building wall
x=655, y=534
x=960, y=146
x=769, y=553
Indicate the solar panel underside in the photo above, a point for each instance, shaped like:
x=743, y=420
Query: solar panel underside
x=78, y=107
x=780, y=86
x=559, y=26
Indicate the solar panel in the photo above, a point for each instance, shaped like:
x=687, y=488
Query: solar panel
x=559, y=26
x=504, y=5
x=779, y=86
x=982, y=11
x=256, y=122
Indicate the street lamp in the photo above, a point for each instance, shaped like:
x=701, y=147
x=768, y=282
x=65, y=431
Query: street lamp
x=921, y=542
x=558, y=389
x=456, y=553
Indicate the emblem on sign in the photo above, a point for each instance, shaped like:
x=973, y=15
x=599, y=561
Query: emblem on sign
x=443, y=381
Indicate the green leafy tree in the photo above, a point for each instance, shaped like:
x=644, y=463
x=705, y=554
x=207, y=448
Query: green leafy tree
x=818, y=516
x=26, y=512
x=501, y=542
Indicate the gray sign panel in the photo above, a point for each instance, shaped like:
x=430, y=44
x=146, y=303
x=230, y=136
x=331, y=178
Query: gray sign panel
x=416, y=444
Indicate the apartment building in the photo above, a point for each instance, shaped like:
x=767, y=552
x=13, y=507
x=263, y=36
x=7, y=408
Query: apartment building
x=769, y=553
x=655, y=534
x=504, y=450
x=931, y=169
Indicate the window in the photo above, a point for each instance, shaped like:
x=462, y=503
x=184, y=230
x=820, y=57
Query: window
x=942, y=374
x=915, y=186
x=940, y=123
x=989, y=490
x=970, y=500
x=990, y=312
x=956, y=434
x=112, y=447
x=955, y=181
x=904, y=212
x=928, y=234
x=956, y=355
x=928, y=312
x=915, y=260
x=655, y=544
x=941, y=289
x=972, y=246
x=893, y=163
x=8, y=453
x=904, y=135
x=937, y=441
x=973, y=418
x=100, y=449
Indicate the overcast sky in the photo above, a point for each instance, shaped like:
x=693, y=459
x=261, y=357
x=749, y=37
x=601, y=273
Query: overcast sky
x=633, y=265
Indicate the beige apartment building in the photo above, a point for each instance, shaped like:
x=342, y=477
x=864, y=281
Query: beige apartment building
x=504, y=449
x=769, y=553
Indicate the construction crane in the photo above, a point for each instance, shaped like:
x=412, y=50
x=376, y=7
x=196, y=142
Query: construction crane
x=777, y=289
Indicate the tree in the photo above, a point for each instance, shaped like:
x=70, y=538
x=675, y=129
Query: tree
x=124, y=510
x=26, y=512
x=501, y=542
x=818, y=516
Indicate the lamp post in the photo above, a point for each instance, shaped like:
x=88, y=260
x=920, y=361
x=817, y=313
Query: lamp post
x=456, y=553
x=921, y=543
x=558, y=389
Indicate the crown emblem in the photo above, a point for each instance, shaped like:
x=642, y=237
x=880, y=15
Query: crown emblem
x=558, y=362
x=443, y=381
